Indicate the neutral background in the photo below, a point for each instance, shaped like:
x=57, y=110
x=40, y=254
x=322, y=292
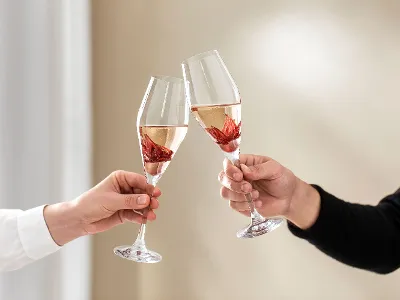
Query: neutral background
x=45, y=132
x=320, y=88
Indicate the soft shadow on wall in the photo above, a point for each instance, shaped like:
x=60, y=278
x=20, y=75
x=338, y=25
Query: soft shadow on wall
x=319, y=87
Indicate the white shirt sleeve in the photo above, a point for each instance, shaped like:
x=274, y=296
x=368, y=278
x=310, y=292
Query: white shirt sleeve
x=24, y=238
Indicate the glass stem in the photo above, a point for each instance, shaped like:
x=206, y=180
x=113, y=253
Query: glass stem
x=142, y=231
x=253, y=211
x=255, y=216
x=141, y=235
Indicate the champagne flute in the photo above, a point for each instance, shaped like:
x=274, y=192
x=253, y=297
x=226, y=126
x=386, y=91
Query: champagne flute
x=216, y=104
x=162, y=124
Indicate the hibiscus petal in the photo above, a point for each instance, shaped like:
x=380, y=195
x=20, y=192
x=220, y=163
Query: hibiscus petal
x=152, y=152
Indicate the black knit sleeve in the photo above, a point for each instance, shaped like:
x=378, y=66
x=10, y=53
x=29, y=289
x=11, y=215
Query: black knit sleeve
x=362, y=236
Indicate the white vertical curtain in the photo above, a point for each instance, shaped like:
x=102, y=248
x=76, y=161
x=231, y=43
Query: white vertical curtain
x=45, y=132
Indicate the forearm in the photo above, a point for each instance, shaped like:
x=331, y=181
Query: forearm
x=362, y=236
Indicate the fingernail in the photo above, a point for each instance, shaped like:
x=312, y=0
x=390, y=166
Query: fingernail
x=246, y=187
x=245, y=168
x=255, y=194
x=237, y=176
x=258, y=204
x=142, y=200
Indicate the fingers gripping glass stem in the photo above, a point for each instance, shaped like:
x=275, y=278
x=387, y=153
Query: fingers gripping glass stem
x=249, y=199
x=255, y=216
x=138, y=251
x=152, y=181
x=258, y=224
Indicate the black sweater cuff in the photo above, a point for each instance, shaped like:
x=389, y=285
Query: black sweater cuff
x=330, y=208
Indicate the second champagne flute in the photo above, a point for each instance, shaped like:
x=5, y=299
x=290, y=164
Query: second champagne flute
x=162, y=124
x=215, y=103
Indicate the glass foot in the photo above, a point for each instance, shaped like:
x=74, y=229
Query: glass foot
x=259, y=228
x=138, y=254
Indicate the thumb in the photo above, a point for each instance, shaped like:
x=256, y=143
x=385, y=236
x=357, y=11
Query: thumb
x=269, y=170
x=128, y=201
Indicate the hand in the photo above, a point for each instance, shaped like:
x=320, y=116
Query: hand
x=276, y=191
x=112, y=202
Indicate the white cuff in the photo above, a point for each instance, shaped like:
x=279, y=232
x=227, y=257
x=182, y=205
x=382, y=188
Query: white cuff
x=34, y=234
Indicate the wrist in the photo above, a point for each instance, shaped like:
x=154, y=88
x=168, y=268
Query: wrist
x=63, y=223
x=304, y=206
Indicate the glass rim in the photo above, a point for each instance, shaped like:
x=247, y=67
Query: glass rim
x=167, y=78
x=200, y=56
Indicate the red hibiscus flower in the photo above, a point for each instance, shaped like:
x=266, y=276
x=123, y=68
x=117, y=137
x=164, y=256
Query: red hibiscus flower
x=154, y=153
x=227, y=136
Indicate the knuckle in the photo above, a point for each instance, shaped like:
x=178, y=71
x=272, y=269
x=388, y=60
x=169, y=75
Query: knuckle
x=257, y=169
x=237, y=206
x=117, y=177
x=130, y=201
x=224, y=192
x=277, y=170
x=221, y=176
x=117, y=173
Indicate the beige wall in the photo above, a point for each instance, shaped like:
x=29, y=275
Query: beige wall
x=319, y=81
